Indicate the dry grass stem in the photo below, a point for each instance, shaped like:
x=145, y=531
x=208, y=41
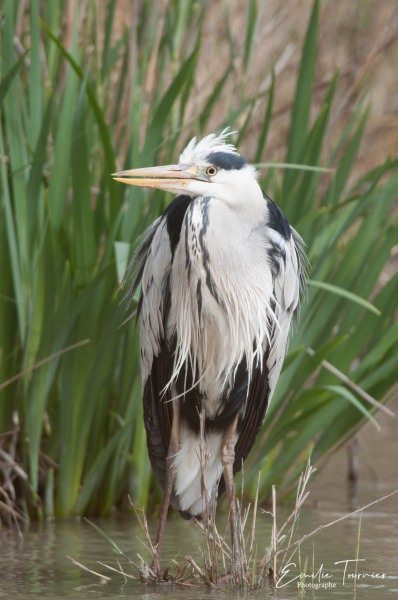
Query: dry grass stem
x=353, y=386
x=351, y=514
x=84, y=568
x=257, y=571
x=274, y=543
x=119, y=570
x=41, y=363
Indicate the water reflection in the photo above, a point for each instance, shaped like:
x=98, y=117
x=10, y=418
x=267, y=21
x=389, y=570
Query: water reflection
x=38, y=565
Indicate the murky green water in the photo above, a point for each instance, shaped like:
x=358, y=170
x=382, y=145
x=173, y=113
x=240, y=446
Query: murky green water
x=37, y=566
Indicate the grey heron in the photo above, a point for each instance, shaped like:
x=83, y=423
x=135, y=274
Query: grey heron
x=220, y=273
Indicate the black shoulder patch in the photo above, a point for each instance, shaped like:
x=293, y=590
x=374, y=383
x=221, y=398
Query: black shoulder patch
x=277, y=219
x=226, y=160
x=174, y=215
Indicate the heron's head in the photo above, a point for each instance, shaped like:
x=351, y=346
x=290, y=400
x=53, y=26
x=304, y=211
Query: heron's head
x=210, y=167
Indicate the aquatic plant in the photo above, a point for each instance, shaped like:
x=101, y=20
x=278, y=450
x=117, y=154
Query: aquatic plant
x=80, y=92
x=265, y=564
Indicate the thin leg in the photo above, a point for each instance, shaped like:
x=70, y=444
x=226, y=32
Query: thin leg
x=227, y=459
x=203, y=466
x=168, y=488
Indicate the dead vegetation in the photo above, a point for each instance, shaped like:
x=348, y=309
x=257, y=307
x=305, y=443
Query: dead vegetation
x=212, y=565
x=11, y=476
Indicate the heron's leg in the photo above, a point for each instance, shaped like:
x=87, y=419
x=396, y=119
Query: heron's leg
x=227, y=459
x=168, y=488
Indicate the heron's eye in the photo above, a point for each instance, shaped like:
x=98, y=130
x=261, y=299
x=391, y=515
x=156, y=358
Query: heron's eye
x=211, y=171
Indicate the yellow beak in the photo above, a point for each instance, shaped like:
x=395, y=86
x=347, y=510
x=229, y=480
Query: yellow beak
x=169, y=177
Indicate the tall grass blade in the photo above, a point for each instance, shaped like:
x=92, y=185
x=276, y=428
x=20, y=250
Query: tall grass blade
x=344, y=294
x=93, y=87
x=302, y=102
x=250, y=33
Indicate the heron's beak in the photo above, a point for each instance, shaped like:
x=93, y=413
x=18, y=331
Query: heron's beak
x=172, y=178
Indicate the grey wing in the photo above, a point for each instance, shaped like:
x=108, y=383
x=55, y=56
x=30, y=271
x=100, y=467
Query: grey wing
x=257, y=399
x=158, y=412
x=289, y=285
x=155, y=296
x=289, y=282
x=151, y=266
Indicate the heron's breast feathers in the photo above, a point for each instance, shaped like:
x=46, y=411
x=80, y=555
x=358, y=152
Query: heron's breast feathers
x=219, y=297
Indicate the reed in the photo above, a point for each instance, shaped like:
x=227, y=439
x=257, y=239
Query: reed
x=211, y=565
x=79, y=95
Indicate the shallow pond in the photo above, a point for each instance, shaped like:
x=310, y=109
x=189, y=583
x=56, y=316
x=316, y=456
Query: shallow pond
x=38, y=565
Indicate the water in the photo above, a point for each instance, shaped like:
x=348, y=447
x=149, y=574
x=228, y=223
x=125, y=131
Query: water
x=37, y=566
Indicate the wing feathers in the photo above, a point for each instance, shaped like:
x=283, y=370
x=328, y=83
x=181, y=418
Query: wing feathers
x=249, y=425
x=249, y=396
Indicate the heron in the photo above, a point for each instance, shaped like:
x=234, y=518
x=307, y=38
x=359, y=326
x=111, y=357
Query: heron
x=220, y=274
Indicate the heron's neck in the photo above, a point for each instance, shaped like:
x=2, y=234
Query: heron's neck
x=242, y=195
